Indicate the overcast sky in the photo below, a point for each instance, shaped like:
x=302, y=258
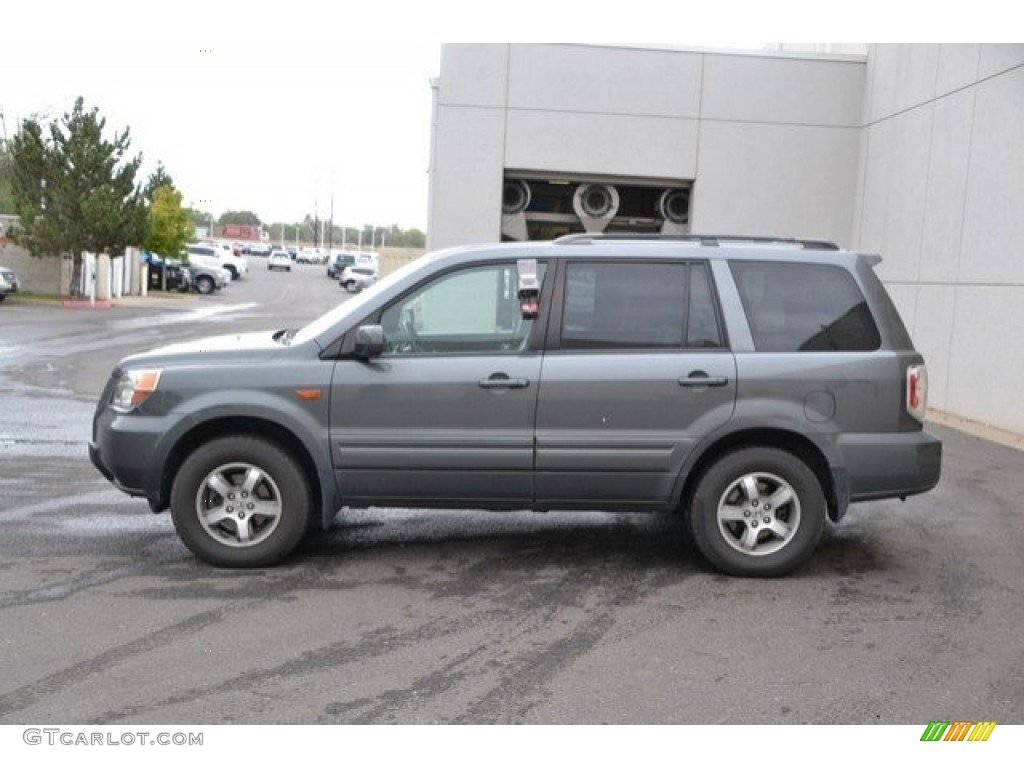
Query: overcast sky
x=247, y=119
x=275, y=107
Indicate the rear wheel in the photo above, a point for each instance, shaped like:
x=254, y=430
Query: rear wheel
x=758, y=512
x=240, y=501
x=205, y=284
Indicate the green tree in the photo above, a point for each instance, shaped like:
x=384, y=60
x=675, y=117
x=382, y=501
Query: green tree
x=159, y=178
x=6, y=191
x=241, y=218
x=75, y=191
x=170, y=226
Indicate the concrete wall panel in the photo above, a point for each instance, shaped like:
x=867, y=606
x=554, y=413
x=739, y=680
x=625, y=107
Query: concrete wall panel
x=931, y=327
x=999, y=57
x=781, y=180
x=35, y=275
x=985, y=356
x=877, y=147
x=908, y=77
x=947, y=187
x=958, y=67
x=781, y=90
x=602, y=144
x=573, y=78
x=474, y=75
x=962, y=301
x=994, y=214
x=895, y=191
x=466, y=178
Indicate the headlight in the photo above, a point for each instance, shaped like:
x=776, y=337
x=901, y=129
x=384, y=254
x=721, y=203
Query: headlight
x=132, y=389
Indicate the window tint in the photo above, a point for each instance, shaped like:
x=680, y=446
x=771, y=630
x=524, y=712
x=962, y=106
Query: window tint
x=474, y=310
x=804, y=308
x=609, y=305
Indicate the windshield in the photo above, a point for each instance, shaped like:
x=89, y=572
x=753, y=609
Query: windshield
x=353, y=306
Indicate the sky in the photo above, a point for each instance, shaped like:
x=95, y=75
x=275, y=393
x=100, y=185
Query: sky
x=250, y=122
x=286, y=107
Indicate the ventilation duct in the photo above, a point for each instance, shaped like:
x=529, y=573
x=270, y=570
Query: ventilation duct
x=515, y=199
x=674, y=209
x=596, y=205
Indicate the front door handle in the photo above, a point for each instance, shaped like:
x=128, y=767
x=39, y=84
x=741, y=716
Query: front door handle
x=700, y=379
x=503, y=381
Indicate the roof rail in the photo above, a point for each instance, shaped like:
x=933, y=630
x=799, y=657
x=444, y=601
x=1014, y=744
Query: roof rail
x=710, y=240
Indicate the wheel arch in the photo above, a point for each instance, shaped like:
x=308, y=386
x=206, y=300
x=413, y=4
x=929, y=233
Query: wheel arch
x=832, y=479
x=252, y=426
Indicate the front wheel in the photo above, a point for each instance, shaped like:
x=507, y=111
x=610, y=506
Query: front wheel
x=758, y=512
x=205, y=284
x=240, y=502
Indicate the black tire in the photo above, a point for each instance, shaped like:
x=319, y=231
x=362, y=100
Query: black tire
x=205, y=284
x=233, y=272
x=240, y=502
x=758, y=512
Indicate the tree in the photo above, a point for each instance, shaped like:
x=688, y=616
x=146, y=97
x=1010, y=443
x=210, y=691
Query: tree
x=242, y=218
x=170, y=226
x=159, y=178
x=6, y=193
x=75, y=191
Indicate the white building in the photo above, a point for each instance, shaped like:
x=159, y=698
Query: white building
x=912, y=151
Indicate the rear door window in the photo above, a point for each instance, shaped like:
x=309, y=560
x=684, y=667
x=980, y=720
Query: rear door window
x=793, y=307
x=631, y=305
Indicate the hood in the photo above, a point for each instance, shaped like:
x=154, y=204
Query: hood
x=239, y=346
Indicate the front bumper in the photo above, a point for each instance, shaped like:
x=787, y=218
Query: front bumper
x=123, y=449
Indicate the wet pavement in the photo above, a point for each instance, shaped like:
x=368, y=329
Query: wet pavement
x=909, y=612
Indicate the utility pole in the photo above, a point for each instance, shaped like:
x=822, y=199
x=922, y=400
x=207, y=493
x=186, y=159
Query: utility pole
x=330, y=229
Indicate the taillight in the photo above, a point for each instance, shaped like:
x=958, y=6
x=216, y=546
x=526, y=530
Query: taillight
x=917, y=391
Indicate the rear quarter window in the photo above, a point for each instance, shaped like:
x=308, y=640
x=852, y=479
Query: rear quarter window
x=795, y=307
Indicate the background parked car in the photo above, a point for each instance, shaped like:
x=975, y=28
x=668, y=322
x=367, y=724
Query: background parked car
x=167, y=274
x=279, y=260
x=357, y=277
x=8, y=282
x=236, y=265
x=207, y=273
x=338, y=261
x=311, y=256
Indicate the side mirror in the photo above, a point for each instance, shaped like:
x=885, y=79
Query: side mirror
x=369, y=342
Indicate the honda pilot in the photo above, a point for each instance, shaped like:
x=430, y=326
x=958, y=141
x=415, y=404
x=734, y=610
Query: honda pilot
x=758, y=387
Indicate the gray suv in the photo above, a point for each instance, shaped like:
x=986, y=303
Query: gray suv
x=757, y=386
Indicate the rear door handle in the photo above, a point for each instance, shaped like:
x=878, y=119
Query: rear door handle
x=502, y=381
x=698, y=379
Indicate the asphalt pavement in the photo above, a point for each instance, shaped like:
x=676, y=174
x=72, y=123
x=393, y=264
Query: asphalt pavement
x=909, y=612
